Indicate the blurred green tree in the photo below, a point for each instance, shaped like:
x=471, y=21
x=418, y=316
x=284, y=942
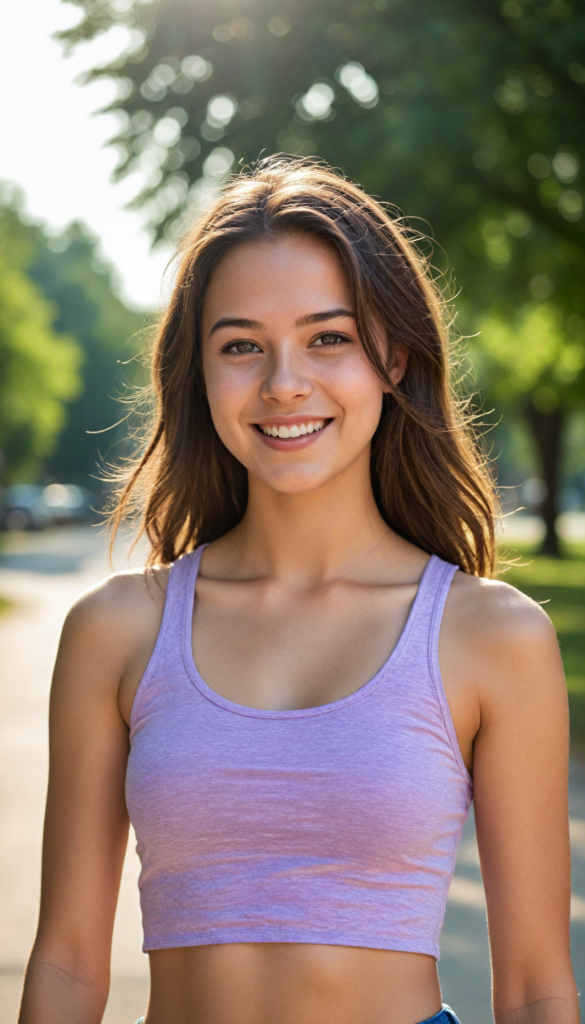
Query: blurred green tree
x=468, y=116
x=70, y=272
x=64, y=334
x=39, y=365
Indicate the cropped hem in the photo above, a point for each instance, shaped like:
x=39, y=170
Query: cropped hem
x=219, y=936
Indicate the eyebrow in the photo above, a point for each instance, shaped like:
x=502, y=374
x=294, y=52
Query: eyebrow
x=318, y=318
x=303, y=321
x=235, y=321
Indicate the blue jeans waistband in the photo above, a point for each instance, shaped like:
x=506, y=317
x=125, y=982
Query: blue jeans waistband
x=444, y=1016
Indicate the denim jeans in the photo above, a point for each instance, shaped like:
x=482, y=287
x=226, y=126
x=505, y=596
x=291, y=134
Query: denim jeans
x=444, y=1016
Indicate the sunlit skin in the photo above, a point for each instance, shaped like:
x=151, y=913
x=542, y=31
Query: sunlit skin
x=299, y=606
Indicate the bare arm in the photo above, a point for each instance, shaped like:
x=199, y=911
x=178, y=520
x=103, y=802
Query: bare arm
x=86, y=824
x=520, y=782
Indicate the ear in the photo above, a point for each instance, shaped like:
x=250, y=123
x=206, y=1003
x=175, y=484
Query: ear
x=399, y=362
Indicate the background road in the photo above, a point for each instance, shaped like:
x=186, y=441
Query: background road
x=42, y=574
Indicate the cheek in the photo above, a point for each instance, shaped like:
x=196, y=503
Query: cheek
x=228, y=396
x=358, y=390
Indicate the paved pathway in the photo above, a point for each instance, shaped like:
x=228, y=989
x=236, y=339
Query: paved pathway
x=43, y=574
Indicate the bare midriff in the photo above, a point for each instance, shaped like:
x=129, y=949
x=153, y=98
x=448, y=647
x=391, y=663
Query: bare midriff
x=291, y=983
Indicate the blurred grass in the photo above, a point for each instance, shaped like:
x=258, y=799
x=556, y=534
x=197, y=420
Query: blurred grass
x=559, y=584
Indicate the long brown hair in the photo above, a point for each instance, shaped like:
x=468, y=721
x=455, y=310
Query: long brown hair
x=429, y=477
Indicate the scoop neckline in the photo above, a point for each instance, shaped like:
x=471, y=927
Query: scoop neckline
x=287, y=713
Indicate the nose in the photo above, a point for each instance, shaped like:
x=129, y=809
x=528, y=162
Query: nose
x=285, y=380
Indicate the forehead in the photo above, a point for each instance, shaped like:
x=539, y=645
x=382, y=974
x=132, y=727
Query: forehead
x=285, y=278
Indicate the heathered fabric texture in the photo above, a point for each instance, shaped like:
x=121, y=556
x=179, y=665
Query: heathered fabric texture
x=337, y=824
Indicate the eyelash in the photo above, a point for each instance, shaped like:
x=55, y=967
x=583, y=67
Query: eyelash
x=230, y=347
x=332, y=334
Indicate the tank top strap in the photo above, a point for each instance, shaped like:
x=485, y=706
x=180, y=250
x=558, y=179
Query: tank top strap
x=429, y=604
x=176, y=618
x=424, y=644
x=445, y=574
x=179, y=598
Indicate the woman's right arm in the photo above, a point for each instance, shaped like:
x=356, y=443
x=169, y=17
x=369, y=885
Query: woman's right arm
x=86, y=823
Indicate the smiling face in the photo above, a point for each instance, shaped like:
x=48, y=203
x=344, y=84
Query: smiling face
x=291, y=392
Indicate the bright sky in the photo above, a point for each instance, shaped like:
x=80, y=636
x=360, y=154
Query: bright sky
x=52, y=144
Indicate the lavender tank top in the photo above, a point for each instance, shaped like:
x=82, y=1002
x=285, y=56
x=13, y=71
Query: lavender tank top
x=336, y=824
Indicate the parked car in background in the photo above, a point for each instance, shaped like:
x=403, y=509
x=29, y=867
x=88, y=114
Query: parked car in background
x=69, y=503
x=23, y=508
x=32, y=507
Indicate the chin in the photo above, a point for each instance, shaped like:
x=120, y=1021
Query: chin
x=292, y=482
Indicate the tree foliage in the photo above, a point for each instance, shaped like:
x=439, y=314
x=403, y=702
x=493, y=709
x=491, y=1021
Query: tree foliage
x=69, y=272
x=39, y=365
x=467, y=115
x=64, y=334
x=534, y=354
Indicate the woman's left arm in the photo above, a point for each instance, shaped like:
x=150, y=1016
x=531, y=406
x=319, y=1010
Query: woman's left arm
x=520, y=768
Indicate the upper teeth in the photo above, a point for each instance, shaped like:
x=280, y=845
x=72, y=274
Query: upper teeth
x=297, y=430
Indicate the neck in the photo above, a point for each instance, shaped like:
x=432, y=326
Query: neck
x=316, y=535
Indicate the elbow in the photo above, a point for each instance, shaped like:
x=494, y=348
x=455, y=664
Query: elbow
x=74, y=971
x=539, y=1001
x=63, y=985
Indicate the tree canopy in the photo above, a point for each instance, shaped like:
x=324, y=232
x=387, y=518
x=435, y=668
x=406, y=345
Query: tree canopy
x=467, y=115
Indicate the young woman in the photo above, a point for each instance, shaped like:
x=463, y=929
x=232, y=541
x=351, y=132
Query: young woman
x=289, y=704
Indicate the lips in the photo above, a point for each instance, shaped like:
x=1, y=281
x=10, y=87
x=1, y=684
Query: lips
x=287, y=434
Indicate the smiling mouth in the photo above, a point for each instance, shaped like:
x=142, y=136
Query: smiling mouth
x=295, y=430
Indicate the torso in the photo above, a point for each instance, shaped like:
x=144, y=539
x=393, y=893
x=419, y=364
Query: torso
x=319, y=650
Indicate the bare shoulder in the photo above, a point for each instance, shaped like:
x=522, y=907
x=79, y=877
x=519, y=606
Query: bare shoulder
x=115, y=623
x=119, y=601
x=505, y=639
x=493, y=608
